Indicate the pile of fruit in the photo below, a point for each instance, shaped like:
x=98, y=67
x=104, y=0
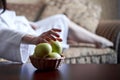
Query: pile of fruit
x=48, y=50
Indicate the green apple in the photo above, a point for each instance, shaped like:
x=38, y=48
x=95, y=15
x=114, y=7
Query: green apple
x=42, y=50
x=54, y=55
x=56, y=46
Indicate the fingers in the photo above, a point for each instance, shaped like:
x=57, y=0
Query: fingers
x=56, y=30
x=54, y=33
x=59, y=39
x=50, y=35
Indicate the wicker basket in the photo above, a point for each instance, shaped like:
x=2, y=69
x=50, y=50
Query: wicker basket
x=46, y=64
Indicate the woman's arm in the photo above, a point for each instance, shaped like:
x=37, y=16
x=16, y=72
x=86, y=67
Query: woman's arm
x=10, y=43
x=28, y=39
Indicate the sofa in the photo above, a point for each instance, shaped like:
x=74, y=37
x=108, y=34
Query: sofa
x=87, y=54
x=80, y=53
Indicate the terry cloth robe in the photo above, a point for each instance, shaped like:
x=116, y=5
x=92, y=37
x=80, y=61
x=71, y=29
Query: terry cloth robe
x=13, y=28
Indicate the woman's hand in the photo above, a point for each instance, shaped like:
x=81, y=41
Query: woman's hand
x=48, y=36
x=45, y=37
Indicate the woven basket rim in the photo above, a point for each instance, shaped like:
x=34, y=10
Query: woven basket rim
x=62, y=57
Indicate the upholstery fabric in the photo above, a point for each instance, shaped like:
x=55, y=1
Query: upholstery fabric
x=82, y=12
x=82, y=55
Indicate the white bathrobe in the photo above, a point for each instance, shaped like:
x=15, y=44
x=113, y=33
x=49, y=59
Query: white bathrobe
x=13, y=28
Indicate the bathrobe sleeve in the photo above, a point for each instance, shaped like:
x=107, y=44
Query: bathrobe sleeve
x=10, y=43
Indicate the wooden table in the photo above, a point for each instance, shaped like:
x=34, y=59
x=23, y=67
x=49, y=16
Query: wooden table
x=64, y=72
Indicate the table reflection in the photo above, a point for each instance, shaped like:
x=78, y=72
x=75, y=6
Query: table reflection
x=9, y=71
x=16, y=71
x=52, y=75
x=28, y=72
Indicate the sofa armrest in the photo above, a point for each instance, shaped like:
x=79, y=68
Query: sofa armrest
x=110, y=29
x=118, y=46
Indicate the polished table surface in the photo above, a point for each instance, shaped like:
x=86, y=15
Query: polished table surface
x=10, y=71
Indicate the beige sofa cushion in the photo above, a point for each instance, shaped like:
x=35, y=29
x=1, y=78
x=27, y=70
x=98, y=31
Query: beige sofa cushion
x=83, y=55
x=86, y=51
x=81, y=12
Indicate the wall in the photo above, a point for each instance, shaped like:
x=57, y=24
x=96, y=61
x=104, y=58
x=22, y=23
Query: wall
x=109, y=8
x=119, y=9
